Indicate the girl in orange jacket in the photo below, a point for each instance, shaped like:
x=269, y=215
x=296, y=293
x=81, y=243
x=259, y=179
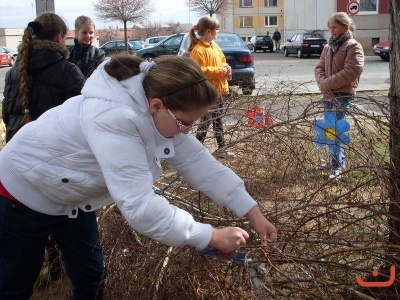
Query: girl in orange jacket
x=212, y=60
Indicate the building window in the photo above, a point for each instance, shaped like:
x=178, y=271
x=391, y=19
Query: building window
x=368, y=6
x=374, y=41
x=270, y=3
x=245, y=3
x=246, y=21
x=271, y=21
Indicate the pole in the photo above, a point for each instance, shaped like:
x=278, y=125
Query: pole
x=33, y=13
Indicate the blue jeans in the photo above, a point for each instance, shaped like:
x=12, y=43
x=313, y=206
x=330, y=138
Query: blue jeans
x=277, y=45
x=339, y=105
x=23, y=236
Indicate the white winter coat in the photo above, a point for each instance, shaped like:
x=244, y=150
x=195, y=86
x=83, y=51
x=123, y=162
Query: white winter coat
x=103, y=147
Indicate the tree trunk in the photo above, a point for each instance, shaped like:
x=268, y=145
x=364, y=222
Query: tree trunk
x=126, y=37
x=394, y=146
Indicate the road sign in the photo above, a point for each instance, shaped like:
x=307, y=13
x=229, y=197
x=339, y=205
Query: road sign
x=353, y=8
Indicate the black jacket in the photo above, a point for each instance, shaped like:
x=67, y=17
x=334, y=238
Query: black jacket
x=276, y=36
x=87, y=58
x=52, y=80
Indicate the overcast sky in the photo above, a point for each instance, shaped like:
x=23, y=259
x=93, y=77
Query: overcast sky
x=18, y=13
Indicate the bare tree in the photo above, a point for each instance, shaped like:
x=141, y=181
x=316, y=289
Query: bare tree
x=394, y=96
x=210, y=7
x=134, y=11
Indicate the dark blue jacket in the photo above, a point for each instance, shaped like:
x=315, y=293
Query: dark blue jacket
x=87, y=58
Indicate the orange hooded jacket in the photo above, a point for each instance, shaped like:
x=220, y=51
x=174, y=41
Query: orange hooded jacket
x=212, y=61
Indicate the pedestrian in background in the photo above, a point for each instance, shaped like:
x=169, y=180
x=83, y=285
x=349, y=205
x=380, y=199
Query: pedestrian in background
x=337, y=74
x=212, y=61
x=107, y=146
x=86, y=56
x=277, y=38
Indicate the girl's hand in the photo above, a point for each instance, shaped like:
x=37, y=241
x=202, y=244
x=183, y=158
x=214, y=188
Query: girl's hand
x=229, y=73
x=325, y=90
x=228, y=239
x=264, y=228
x=227, y=70
x=329, y=95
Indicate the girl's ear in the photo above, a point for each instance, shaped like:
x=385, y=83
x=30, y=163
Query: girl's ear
x=58, y=37
x=155, y=105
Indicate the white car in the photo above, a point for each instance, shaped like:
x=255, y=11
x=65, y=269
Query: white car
x=152, y=41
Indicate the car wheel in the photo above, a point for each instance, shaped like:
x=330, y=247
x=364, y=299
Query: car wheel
x=286, y=52
x=265, y=50
x=384, y=58
x=12, y=62
x=254, y=50
x=299, y=53
x=148, y=57
x=247, y=91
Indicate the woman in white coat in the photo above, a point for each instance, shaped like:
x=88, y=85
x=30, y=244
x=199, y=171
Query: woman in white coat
x=105, y=146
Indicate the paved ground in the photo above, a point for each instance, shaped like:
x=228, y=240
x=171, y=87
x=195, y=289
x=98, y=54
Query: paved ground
x=275, y=72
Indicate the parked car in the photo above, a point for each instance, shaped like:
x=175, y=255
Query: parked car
x=261, y=42
x=6, y=58
x=140, y=42
x=112, y=47
x=137, y=45
x=168, y=46
x=12, y=51
x=152, y=41
x=237, y=55
x=305, y=44
x=382, y=49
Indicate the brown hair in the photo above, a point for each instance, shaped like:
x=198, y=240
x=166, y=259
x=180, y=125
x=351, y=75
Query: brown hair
x=45, y=27
x=179, y=77
x=81, y=20
x=344, y=19
x=202, y=25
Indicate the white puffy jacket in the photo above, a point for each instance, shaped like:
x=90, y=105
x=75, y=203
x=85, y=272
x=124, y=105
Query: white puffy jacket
x=103, y=147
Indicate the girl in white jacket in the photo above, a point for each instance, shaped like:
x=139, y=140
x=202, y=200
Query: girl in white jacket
x=106, y=146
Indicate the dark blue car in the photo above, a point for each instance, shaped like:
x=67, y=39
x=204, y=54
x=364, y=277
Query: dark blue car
x=237, y=55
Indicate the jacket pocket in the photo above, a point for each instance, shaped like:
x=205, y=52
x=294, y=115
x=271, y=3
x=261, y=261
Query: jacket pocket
x=67, y=188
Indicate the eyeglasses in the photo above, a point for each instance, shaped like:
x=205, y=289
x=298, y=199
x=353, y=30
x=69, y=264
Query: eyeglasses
x=181, y=126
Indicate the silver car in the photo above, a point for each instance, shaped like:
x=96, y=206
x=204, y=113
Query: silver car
x=152, y=41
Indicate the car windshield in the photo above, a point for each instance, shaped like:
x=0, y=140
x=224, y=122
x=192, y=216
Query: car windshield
x=229, y=40
x=224, y=40
x=313, y=37
x=158, y=41
x=134, y=43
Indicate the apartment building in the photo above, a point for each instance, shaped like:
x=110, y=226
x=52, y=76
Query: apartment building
x=251, y=17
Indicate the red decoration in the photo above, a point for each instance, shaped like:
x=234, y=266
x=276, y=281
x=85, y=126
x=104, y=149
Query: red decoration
x=259, y=117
